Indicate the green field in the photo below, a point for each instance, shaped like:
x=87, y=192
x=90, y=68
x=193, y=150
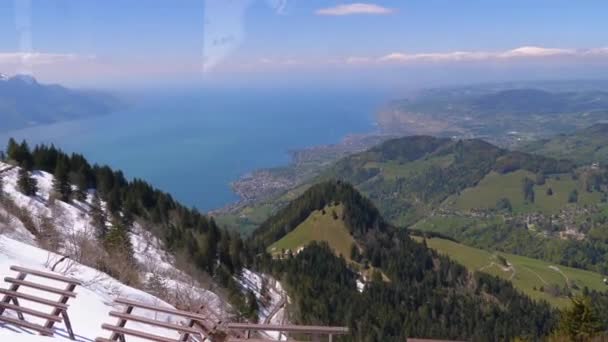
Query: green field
x=392, y=170
x=322, y=225
x=526, y=274
x=495, y=186
x=453, y=224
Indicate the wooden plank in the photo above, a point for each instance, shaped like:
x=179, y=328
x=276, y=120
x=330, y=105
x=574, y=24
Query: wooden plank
x=28, y=325
x=153, y=322
x=101, y=339
x=29, y=311
x=288, y=328
x=46, y=275
x=40, y=287
x=35, y=299
x=136, y=333
x=161, y=309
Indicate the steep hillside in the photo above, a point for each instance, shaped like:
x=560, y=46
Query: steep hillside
x=25, y=102
x=130, y=231
x=91, y=306
x=587, y=146
x=423, y=295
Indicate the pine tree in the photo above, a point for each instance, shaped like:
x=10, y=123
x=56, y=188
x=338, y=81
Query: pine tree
x=81, y=186
x=224, y=251
x=12, y=149
x=98, y=218
x=117, y=240
x=61, y=184
x=579, y=322
x=26, y=184
x=236, y=251
x=23, y=156
x=252, y=306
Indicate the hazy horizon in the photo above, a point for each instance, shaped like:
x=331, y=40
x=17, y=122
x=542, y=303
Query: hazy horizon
x=265, y=43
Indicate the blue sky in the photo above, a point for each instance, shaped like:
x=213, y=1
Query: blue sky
x=111, y=41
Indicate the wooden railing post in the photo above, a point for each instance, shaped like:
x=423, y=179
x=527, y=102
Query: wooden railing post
x=66, y=319
x=7, y=299
x=121, y=324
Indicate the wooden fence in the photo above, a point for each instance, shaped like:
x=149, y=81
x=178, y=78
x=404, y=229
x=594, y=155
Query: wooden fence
x=60, y=307
x=196, y=326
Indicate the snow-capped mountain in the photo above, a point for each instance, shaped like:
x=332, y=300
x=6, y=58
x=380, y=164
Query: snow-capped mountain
x=71, y=221
x=3, y=77
x=27, y=79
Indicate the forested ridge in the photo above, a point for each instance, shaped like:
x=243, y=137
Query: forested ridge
x=359, y=215
x=425, y=295
x=187, y=233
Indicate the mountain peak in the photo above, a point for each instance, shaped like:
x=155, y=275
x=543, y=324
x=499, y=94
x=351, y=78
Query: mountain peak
x=3, y=77
x=27, y=79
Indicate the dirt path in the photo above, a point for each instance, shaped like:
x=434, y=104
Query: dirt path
x=536, y=274
x=556, y=269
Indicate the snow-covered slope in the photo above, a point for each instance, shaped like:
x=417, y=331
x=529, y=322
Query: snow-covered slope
x=71, y=222
x=87, y=311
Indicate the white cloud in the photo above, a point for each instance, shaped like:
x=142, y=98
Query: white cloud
x=525, y=52
x=36, y=58
x=354, y=8
x=535, y=51
x=433, y=57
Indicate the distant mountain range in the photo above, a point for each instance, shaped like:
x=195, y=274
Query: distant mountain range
x=26, y=102
x=503, y=116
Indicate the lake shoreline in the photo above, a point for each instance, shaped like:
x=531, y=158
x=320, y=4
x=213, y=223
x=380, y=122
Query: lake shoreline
x=305, y=164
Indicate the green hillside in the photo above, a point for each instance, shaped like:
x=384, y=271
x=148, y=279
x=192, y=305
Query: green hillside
x=527, y=274
x=494, y=187
x=325, y=225
x=479, y=194
x=586, y=146
x=410, y=290
x=408, y=177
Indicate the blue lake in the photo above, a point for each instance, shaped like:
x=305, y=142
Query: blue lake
x=193, y=143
